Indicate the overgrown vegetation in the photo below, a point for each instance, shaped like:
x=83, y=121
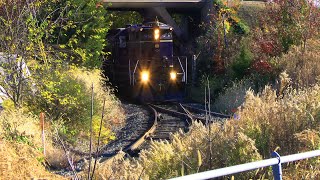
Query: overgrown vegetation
x=271, y=85
x=21, y=147
x=302, y=64
x=265, y=73
x=77, y=30
x=265, y=123
x=61, y=43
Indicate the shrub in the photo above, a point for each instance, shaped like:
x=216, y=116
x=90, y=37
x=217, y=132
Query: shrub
x=220, y=40
x=267, y=122
x=19, y=161
x=216, y=84
x=308, y=168
x=15, y=125
x=303, y=66
x=76, y=30
x=232, y=97
x=273, y=122
x=66, y=95
x=241, y=28
x=295, y=21
x=242, y=63
x=118, y=168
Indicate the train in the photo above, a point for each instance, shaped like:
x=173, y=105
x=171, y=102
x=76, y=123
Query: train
x=142, y=64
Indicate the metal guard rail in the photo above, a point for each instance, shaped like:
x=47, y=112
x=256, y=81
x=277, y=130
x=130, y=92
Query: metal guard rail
x=275, y=162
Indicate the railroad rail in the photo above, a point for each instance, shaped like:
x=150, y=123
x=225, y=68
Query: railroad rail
x=168, y=121
x=162, y=123
x=164, y=119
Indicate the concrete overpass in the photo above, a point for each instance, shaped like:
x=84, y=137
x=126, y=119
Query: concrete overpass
x=179, y=5
x=198, y=10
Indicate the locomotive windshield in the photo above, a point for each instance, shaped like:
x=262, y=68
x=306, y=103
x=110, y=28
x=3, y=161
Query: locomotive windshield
x=147, y=34
x=166, y=34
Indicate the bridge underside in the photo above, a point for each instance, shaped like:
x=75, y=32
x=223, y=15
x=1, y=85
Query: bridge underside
x=198, y=10
x=173, y=5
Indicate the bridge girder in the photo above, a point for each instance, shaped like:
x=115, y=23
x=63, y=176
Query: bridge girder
x=141, y=4
x=163, y=9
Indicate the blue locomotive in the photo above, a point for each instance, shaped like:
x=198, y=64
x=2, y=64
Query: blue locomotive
x=142, y=63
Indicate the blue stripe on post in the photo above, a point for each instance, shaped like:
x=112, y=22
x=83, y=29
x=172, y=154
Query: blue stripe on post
x=277, y=169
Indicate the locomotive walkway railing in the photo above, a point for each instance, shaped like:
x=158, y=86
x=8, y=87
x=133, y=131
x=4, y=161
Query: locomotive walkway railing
x=275, y=162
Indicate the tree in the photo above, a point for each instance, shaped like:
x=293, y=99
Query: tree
x=47, y=34
x=18, y=26
x=295, y=21
x=78, y=30
x=222, y=35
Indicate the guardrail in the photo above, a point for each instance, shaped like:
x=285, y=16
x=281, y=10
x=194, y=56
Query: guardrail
x=275, y=162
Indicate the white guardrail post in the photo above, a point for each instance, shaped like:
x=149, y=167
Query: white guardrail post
x=275, y=162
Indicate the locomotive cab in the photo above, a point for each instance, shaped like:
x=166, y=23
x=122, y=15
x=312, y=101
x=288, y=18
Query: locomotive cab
x=143, y=61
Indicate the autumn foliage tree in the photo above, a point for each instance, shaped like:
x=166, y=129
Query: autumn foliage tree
x=222, y=35
x=282, y=24
x=294, y=21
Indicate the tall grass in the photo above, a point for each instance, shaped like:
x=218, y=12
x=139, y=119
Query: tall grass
x=21, y=153
x=289, y=124
x=232, y=97
x=302, y=65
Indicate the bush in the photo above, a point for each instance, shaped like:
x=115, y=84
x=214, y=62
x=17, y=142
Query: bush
x=16, y=125
x=233, y=97
x=242, y=63
x=273, y=122
x=216, y=84
x=241, y=28
x=66, y=95
x=219, y=42
x=302, y=65
x=77, y=30
x=289, y=124
x=189, y=153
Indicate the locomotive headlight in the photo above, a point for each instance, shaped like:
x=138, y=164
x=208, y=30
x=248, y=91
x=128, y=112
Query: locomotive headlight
x=156, y=34
x=145, y=76
x=173, y=75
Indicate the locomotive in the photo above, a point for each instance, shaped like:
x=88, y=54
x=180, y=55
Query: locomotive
x=142, y=63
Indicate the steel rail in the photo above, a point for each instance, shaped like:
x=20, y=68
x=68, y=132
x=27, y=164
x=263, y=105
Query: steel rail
x=189, y=114
x=215, y=114
x=170, y=112
x=141, y=140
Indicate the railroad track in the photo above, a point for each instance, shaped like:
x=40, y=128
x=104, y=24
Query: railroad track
x=168, y=119
x=164, y=119
x=160, y=125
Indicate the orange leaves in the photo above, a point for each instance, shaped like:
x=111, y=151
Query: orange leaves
x=99, y=5
x=261, y=66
